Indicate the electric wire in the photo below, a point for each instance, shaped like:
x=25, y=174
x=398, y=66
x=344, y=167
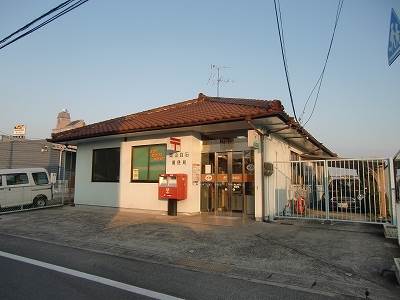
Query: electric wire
x=283, y=36
x=66, y=10
x=321, y=77
x=36, y=20
x=282, y=43
x=322, y=72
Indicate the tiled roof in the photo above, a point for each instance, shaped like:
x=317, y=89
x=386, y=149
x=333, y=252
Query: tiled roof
x=200, y=111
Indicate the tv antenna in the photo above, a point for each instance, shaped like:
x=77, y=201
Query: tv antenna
x=216, y=77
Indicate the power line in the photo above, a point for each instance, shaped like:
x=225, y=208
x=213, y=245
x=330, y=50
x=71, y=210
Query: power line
x=66, y=10
x=321, y=77
x=283, y=51
x=323, y=70
x=35, y=20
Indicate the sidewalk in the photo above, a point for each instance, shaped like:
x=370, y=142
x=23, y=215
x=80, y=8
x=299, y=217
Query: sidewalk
x=344, y=259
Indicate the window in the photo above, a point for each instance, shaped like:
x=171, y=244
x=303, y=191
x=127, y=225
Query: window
x=148, y=162
x=105, y=165
x=40, y=178
x=17, y=178
x=1, y=183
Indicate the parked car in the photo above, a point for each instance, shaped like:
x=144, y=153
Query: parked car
x=347, y=194
x=20, y=187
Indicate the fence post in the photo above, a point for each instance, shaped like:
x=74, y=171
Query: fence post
x=392, y=187
x=326, y=188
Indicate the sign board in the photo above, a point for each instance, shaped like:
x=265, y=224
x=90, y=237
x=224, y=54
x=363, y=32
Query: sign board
x=59, y=147
x=253, y=139
x=394, y=38
x=135, y=174
x=174, y=144
x=196, y=172
x=53, y=177
x=19, y=130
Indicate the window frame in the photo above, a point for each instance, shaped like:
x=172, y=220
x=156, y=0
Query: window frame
x=119, y=166
x=41, y=172
x=148, y=163
x=17, y=184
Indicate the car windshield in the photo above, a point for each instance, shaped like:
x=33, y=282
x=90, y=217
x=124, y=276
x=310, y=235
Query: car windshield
x=345, y=184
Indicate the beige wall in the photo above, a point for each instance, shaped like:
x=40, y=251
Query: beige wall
x=277, y=150
x=136, y=195
x=145, y=195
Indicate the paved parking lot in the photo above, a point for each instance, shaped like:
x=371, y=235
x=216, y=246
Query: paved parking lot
x=341, y=258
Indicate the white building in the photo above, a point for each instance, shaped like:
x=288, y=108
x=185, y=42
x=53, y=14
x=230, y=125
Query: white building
x=226, y=145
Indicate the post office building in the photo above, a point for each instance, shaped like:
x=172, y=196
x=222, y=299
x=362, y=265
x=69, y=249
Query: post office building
x=225, y=147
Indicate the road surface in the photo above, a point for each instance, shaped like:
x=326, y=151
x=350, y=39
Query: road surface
x=33, y=269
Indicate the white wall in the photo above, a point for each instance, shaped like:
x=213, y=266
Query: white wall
x=276, y=150
x=86, y=191
x=145, y=195
x=136, y=195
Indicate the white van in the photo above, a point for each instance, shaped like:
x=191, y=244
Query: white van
x=24, y=186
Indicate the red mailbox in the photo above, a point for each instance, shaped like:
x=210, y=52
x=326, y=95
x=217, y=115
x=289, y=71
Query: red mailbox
x=172, y=186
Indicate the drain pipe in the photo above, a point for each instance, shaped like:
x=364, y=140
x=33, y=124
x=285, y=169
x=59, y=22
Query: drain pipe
x=261, y=135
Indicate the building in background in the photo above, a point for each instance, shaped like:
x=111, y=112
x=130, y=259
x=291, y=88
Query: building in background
x=64, y=122
x=18, y=151
x=26, y=153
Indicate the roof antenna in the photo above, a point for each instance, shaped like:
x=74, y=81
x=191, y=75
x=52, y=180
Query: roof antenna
x=216, y=77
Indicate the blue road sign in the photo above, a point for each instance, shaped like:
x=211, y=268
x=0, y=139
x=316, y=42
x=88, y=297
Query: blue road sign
x=394, y=38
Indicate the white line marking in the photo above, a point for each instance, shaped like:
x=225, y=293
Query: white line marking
x=102, y=280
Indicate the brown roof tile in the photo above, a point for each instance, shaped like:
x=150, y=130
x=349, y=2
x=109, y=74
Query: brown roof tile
x=202, y=110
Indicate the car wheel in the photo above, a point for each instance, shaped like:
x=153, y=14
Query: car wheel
x=40, y=201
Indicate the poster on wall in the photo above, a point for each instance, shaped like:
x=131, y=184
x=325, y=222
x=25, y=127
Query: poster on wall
x=196, y=171
x=135, y=174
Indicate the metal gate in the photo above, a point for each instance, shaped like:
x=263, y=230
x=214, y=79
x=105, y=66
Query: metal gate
x=356, y=190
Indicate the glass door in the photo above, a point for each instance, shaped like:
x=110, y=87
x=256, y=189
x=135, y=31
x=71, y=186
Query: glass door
x=227, y=183
x=222, y=181
x=208, y=176
x=236, y=182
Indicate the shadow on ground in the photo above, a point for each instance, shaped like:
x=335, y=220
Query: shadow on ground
x=347, y=259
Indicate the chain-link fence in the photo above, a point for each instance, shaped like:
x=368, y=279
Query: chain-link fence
x=29, y=197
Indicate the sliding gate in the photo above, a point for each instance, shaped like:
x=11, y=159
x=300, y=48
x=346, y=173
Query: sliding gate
x=338, y=190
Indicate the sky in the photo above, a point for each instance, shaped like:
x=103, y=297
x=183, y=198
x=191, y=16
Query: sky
x=111, y=58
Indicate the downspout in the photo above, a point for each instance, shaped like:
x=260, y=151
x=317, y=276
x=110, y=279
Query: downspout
x=261, y=134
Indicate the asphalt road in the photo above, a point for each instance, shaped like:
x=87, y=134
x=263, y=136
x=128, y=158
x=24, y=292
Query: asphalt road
x=22, y=280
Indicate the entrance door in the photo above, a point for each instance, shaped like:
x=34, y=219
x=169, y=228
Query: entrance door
x=228, y=183
x=223, y=183
x=236, y=182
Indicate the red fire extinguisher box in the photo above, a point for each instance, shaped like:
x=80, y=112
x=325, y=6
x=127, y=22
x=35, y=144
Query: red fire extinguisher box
x=172, y=186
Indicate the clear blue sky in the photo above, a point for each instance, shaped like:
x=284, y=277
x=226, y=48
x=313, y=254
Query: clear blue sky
x=111, y=58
